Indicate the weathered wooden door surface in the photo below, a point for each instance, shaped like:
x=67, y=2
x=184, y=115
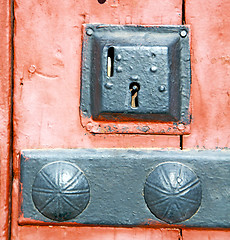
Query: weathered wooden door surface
x=209, y=23
x=48, y=40
x=46, y=95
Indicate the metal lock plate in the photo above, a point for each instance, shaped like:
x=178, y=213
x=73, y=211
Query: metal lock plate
x=147, y=68
x=136, y=73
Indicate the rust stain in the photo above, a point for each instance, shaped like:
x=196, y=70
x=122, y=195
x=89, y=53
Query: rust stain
x=223, y=59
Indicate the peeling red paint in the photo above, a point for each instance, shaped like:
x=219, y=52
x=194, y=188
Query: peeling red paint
x=166, y=128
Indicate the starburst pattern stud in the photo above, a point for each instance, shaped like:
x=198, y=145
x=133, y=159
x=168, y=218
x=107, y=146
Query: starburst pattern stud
x=173, y=192
x=60, y=191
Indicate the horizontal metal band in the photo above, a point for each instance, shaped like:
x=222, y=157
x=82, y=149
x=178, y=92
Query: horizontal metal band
x=126, y=187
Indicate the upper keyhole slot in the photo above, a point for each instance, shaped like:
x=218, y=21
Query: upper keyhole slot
x=110, y=62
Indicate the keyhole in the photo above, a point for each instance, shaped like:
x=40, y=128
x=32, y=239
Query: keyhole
x=134, y=87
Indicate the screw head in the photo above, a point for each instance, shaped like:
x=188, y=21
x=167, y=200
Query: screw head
x=32, y=69
x=162, y=88
x=89, y=31
x=119, y=69
x=173, y=192
x=118, y=57
x=181, y=126
x=134, y=77
x=108, y=85
x=89, y=126
x=183, y=33
x=153, y=69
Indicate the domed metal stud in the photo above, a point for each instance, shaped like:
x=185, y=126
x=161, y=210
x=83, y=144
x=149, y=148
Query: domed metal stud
x=173, y=192
x=60, y=191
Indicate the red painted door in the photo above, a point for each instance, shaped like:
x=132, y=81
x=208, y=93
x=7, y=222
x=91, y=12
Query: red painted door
x=48, y=40
x=47, y=67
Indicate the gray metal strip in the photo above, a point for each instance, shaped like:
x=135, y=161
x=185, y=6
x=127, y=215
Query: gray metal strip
x=116, y=179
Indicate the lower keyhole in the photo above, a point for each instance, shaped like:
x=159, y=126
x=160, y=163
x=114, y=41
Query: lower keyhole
x=134, y=87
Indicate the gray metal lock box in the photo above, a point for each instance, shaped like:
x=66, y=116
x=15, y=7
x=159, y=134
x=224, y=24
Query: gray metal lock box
x=136, y=73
